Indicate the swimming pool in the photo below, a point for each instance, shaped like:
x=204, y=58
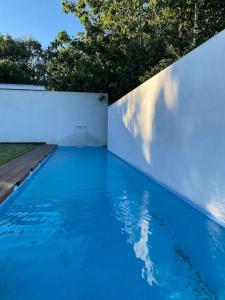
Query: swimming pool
x=88, y=226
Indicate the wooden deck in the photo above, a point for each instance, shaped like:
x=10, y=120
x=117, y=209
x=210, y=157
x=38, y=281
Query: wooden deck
x=15, y=171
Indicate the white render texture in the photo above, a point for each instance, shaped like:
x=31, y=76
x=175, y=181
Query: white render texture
x=172, y=127
x=63, y=118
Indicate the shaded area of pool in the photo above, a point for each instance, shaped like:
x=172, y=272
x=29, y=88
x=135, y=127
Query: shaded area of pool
x=88, y=226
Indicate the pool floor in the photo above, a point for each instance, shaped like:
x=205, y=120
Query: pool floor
x=87, y=226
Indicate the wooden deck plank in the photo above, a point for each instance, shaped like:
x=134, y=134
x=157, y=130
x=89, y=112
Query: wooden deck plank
x=15, y=171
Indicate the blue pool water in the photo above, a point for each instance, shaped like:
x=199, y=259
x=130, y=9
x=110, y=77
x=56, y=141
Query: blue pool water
x=87, y=226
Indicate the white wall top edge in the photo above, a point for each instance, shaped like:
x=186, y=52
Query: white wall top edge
x=174, y=123
x=63, y=118
x=32, y=87
x=190, y=55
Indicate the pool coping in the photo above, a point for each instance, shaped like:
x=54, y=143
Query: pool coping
x=16, y=171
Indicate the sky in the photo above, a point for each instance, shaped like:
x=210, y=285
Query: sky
x=40, y=19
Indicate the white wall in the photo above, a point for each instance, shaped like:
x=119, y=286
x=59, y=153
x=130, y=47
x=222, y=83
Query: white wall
x=172, y=127
x=7, y=86
x=53, y=117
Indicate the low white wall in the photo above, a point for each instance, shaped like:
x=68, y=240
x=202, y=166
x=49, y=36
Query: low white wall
x=172, y=127
x=31, y=87
x=70, y=119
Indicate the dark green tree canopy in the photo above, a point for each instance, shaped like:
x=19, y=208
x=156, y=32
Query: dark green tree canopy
x=21, y=61
x=124, y=43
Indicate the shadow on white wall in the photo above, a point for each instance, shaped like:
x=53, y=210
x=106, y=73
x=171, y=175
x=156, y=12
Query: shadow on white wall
x=172, y=128
x=79, y=136
x=139, y=115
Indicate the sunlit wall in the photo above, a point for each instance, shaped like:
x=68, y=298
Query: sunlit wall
x=172, y=127
x=63, y=118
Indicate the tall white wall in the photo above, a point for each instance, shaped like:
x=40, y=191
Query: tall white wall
x=172, y=127
x=70, y=119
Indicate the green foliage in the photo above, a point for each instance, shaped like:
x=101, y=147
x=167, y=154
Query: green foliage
x=21, y=61
x=10, y=72
x=126, y=42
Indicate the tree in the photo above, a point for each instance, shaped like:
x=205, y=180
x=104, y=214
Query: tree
x=21, y=61
x=10, y=72
x=127, y=41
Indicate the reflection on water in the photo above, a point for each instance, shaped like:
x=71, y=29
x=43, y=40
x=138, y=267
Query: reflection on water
x=138, y=233
x=142, y=252
x=87, y=226
x=171, y=239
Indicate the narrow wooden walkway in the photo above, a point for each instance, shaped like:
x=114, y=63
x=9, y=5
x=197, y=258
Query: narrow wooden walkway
x=15, y=171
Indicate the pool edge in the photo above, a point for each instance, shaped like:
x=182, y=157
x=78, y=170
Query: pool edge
x=185, y=199
x=24, y=180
